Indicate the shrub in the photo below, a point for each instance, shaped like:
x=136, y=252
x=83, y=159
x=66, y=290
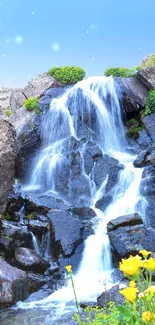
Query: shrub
x=120, y=72
x=8, y=112
x=150, y=103
x=32, y=104
x=67, y=75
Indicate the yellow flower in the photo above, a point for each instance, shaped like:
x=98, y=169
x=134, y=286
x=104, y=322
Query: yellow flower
x=149, y=264
x=68, y=268
x=145, y=253
x=131, y=265
x=149, y=291
x=129, y=293
x=147, y=316
x=132, y=284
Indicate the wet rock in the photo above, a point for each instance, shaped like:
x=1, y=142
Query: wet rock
x=55, y=92
x=13, y=284
x=29, y=260
x=91, y=154
x=83, y=213
x=38, y=227
x=40, y=205
x=7, y=161
x=123, y=221
x=103, y=203
x=134, y=94
x=129, y=240
x=110, y=295
x=36, y=282
x=44, y=103
x=147, y=189
x=149, y=123
x=147, y=76
x=145, y=158
x=144, y=141
x=14, y=204
x=28, y=143
x=66, y=232
x=79, y=193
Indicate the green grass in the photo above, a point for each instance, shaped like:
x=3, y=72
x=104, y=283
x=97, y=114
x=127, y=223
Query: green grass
x=67, y=75
x=32, y=104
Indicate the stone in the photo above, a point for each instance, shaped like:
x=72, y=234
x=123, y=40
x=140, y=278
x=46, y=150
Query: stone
x=29, y=260
x=17, y=99
x=13, y=284
x=134, y=94
x=145, y=158
x=7, y=161
x=147, y=189
x=123, y=221
x=110, y=295
x=37, y=86
x=143, y=140
x=83, y=213
x=36, y=282
x=44, y=103
x=149, y=123
x=38, y=228
x=5, y=94
x=147, y=76
x=55, y=92
x=70, y=235
x=103, y=203
x=129, y=240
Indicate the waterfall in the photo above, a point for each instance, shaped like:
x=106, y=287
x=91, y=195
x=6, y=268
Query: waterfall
x=89, y=109
x=35, y=243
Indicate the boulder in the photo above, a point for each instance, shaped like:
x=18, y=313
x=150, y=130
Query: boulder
x=110, y=295
x=7, y=161
x=127, y=220
x=36, y=282
x=129, y=240
x=149, y=123
x=5, y=94
x=147, y=76
x=147, y=189
x=38, y=227
x=146, y=157
x=13, y=284
x=134, y=94
x=29, y=260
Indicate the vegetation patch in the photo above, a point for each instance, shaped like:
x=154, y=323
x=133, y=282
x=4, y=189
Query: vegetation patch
x=8, y=112
x=32, y=104
x=67, y=75
x=120, y=72
x=150, y=104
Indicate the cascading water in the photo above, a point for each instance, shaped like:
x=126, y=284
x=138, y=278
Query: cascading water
x=89, y=109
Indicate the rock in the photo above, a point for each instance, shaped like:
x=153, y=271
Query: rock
x=38, y=227
x=65, y=238
x=55, y=92
x=147, y=76
x=145, y=158
x=143, y=140
x=134, y=94
x=127, y=220
x=7, y=161
x=5, y=94
x=103, y=203
x=29, y=260
x=83, y=213
x=36, y=282
x=110, y=295
x=14, y=204
x=149, y=123
x=13, y=284
x=22, y=117
x=40, y=205
x=37, y=86
x=129, y=240
x=79, y=193
x=17, y=99
x=44, y=103
x=147, y=189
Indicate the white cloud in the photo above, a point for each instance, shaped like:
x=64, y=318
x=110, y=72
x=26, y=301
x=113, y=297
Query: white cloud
x=56, y=47
x=19, y=39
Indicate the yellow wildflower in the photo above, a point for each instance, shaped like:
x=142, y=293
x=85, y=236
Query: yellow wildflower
x=131, y=265
x=68, y=268
x=149, y=264
x=129, y=293
x=145, y=253
x=149, y=291
x=132, y=284
x=147, y=316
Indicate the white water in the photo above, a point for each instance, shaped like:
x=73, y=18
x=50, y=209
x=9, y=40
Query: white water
x=100, y=103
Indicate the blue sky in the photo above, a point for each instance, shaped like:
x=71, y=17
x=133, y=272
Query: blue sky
x=94, y=34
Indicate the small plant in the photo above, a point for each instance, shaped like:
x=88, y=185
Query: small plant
x=8, y=112
x=134, y=132
x=150, y=104
x=67, y=75
x=120, y=72
x=32, y=104
x=30, y=216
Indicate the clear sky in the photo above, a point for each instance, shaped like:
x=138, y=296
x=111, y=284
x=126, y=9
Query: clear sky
x=94, y=34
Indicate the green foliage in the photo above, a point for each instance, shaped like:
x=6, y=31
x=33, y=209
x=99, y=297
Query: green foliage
x=150, y=103
x=8, y=112
x=133, y=132
x=5, y=216
x=30, y=216
x=120, y=72
x=32, y=104
x=67, y=75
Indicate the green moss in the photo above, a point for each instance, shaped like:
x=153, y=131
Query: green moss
x=32, y=104
x=8, y=112
x=133, y=132
x=150, y=104
x=67, y=75
x=5, y=216
x=120, y=72
x=32, y=126
x=30, y=216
